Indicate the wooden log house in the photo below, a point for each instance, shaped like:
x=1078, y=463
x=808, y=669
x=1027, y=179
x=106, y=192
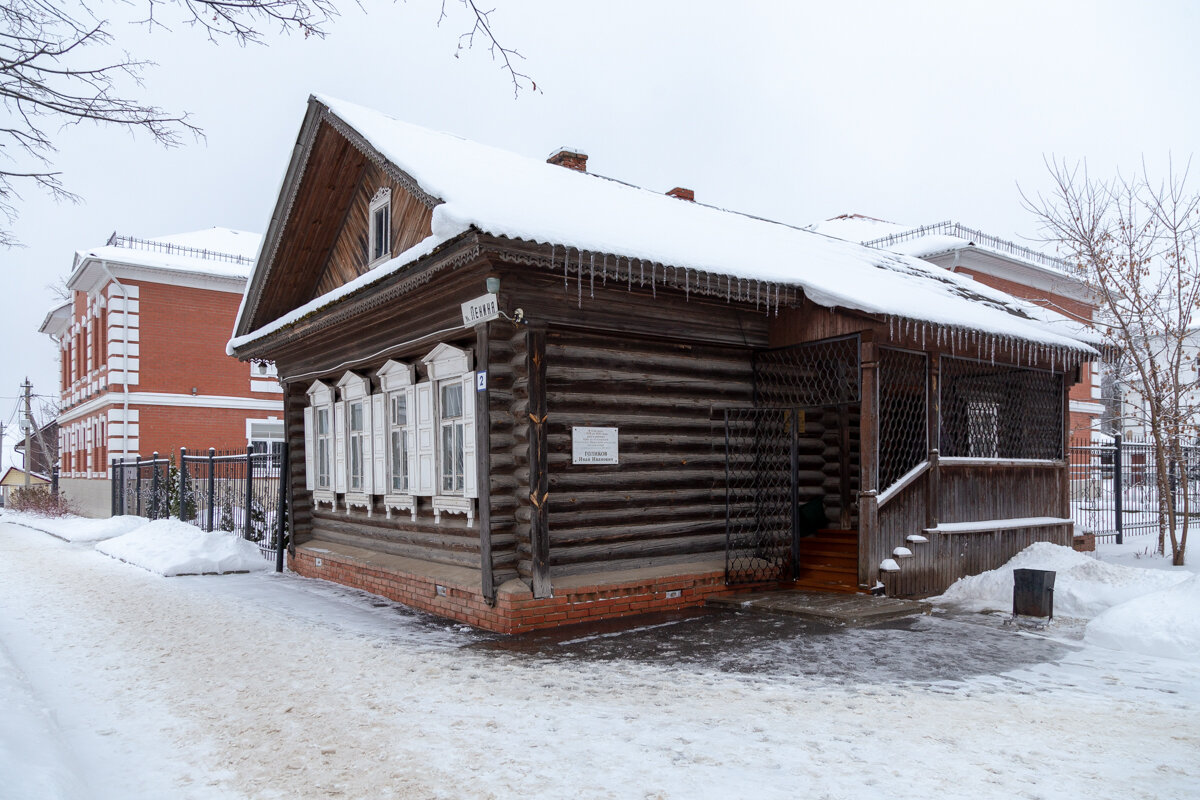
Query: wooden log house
x=663, y=400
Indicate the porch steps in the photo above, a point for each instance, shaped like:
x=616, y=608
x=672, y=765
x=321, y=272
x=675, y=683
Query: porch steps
x=829, y=562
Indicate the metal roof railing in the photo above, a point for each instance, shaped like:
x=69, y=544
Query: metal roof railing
x=168, y=248
x=976, y=237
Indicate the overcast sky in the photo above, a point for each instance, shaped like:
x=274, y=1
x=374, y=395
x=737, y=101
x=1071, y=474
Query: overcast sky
x=911, y=112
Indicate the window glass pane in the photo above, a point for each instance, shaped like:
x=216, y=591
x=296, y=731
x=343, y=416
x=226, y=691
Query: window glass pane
x=399, y=462
x=381, y=233
x=452, y=405
x=458, y=458
x=322, y=421
x=356, y=416
x=448, y=458
x=399, y=410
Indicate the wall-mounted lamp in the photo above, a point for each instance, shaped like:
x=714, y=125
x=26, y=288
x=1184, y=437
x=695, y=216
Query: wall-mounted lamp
x=193, y=391
x=493, y=285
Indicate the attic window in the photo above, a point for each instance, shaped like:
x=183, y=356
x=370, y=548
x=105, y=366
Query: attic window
x=381, y=225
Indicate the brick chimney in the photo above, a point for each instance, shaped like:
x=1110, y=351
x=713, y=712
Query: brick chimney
x=683, y=194
x=570, y=158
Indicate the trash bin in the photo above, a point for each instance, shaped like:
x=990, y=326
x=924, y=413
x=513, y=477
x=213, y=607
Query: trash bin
x=1033, y=593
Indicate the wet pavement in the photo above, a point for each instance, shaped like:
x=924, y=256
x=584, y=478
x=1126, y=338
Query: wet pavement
x=920, y=650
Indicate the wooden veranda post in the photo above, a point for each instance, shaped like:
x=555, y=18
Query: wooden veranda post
x=1065, y=454
x=933, y=429
x=868, y=501
x=539, y=479
x=483, y=462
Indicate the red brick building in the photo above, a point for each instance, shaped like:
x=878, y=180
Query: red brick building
x=143, y=362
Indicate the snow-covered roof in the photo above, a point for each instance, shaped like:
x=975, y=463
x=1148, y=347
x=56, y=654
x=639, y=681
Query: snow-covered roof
x=509, y=195
x=857, y=227
x=221, y=252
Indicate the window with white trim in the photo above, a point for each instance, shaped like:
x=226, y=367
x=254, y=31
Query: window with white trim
x=381, y=225
x=319, y=444
x=396, y=437
x=450, y=407
x=445, y=421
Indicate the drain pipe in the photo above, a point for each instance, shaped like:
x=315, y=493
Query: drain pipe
x=124, y=360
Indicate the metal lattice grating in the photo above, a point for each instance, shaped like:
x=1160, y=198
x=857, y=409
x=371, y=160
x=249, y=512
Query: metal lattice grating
x=820, y=373
x=1000, y=411
x=902, y=413
x=759, y=493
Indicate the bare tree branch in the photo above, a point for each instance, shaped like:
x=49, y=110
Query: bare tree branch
x=481, y=26
x=58, y=67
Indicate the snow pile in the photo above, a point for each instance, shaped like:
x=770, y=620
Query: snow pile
x=1163, y=623
x=1083, y=586
x=77, y=529
x=1149, y=611
x=170, y=547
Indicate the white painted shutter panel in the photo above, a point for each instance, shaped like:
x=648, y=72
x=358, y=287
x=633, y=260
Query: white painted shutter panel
x=423, y=479
x=368, y=454
x=378, y=436
x=339, y=446
x=310, y=449
x=410, y=434
x=470, y=483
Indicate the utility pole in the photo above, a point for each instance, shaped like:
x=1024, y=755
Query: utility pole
x=28, y=432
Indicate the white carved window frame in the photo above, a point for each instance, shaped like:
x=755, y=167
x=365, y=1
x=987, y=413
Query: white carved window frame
x=449, y=365
x=398, y=381
x=379, y=224
x=320, y=400
x=355, y=391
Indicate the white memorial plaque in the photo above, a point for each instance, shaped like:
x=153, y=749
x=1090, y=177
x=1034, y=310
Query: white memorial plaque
x=593, y=445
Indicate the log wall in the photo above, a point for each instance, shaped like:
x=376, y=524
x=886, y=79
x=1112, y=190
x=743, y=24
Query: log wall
x=665, y=501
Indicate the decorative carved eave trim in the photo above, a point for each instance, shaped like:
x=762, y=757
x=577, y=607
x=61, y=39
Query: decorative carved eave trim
x=391, y=170
x=454, y=254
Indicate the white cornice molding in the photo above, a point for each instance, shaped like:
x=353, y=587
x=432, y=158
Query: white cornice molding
x=89, y=275
x=117, y=399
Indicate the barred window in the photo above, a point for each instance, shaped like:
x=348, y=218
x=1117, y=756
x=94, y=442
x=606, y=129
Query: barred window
x=1000, y=411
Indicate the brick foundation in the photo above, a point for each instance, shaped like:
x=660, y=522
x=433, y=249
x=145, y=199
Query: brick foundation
x=1084, y=542
x=515, y=610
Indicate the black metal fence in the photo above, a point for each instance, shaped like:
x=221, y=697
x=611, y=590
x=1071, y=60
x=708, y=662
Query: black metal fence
x=236, y=492
x=1115, y=491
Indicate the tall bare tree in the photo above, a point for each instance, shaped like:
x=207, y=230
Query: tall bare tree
x=60, y=65
x=1135, y=242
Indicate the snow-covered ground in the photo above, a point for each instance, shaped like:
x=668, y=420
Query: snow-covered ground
x=118, y=683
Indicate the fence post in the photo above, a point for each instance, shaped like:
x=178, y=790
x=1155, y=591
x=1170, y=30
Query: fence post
x=212, y=486
x=154, y=486
x=138, y=484
x=113, y=485
x=247, y=531
x=281, y=510
x=1118, y=446
x=182, y=482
